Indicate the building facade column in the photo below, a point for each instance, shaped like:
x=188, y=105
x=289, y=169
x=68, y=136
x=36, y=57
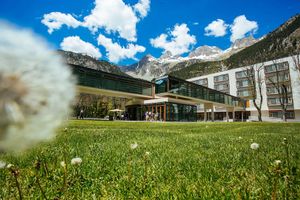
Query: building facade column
x=233, y=115
x=212, y=114
x=227, y=116
x=205, y=114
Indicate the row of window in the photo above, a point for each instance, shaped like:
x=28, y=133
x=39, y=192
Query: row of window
x=244, y=73
x=177, y=86
x=222, y=87
x=244, y=93
x=277, y=78
x=275, y=90
x=102, y=80
x=223, y=77
x=278, y=114
x=276, y=67
x=276, y=101
x=203, y=82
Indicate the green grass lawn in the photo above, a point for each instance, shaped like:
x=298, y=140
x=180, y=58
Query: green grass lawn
x=185, y=161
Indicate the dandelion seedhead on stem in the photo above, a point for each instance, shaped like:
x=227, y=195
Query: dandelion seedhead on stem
x=132, y=147
x=146, y=166
x=37, y=166
x=15, y=173
x=36, y=89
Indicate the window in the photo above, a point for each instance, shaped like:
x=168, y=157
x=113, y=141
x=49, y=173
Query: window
x=223, y=77
x=243, y=83
x=244, y=93
x=278, y=114
x=276, y=67
x=277, y=79
x=201, y=82
x=276, y=101
x=221, y=87
x=244, y=74
x=273, y=90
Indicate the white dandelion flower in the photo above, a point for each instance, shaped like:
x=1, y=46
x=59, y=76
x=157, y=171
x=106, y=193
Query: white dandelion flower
x=36, y=89
x=277, y=162
x=240, y=138
x=134, y=146
x=76, y=161
x=2, y=164
x=63, y=164
x=9, y=166
x=254, y=146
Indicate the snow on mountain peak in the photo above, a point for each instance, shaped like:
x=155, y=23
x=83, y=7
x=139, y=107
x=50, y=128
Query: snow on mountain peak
x=205, y=51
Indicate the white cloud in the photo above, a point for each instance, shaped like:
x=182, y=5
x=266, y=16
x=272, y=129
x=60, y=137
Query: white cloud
x=241, y=26
x=111, y=15
x=55, y=20
x=115, y=52
x=75, y=44
x=179, y=42
x=216, y=28
x=142, y=7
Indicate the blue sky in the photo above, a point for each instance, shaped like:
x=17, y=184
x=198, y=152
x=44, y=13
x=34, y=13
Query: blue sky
x=122, y=31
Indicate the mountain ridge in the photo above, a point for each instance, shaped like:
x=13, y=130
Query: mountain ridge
x=150, y=67
x=90, y=62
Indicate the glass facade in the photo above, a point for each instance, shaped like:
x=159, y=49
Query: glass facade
x=166, y=111
x=174, y=85
x=103, y=80
x=180, y=112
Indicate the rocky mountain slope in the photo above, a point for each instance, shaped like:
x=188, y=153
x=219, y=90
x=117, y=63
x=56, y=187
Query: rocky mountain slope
x=87, y=61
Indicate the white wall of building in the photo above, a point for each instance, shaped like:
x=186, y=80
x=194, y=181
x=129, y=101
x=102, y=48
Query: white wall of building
x=294, y=78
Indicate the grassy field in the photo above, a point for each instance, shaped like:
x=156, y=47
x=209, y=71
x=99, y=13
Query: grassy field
x=171, y=161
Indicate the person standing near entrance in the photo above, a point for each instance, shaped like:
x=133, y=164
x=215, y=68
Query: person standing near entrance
x=146, y=116
x=156, y=116
x=81, y=114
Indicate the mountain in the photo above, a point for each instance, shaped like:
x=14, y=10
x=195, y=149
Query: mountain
x=244, y=42
x=150, y=67
x=282, y=42
x=147, y=68
x=89, y=62
x=206, y=52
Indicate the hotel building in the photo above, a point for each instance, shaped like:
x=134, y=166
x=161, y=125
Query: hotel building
x=280, y=86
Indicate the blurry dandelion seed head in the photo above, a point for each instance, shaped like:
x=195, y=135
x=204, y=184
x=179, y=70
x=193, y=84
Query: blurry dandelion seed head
x=254, y=146
x=76, y=161
x=9, y=166
x=277, y=162
x=134, y=146
x=63, y=164
x=2, y=164
x=36, y=89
